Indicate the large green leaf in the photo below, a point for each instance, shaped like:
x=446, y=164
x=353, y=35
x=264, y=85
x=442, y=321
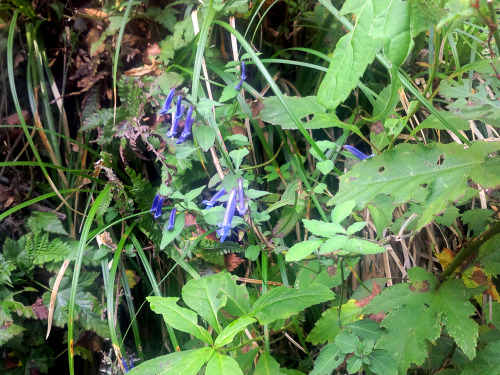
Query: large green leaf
x=274, y=113
x=191, y=363
x=178, y=317
x=221, y=364
x=238, y=301
x=169, y=235
x=282, y=302
x=406, y=170
x=228, y=333
x=416, y=313
x=352, y=54
x=201, y=296
x=160, y=365
x=328, y=360
x=313, y=273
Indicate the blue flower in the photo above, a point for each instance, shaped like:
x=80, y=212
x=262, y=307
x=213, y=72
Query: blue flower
x=159, y=206
x=171, y=219
x=210, y=203
x=155, y=203
x=357, y=153
x=225, y=227
x=168, y=102
x=243, y=76
x=175, y=119
x=187, y=126
x=241, y=196
x=125, y=365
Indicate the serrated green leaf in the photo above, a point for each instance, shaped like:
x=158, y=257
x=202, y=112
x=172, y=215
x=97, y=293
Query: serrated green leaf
x=402, y=172
x=228, y=333
x=179, y=317
x=366, y=329
x=205, y=136
x=221, y=364
x=238, y=301
x=328, y=360
x=327, y=327
x=201, y=296
x=160, y=364
x=325, y=166
x=487, y=361
x=170, y=235
x=191, y=363
x=302, y=249
x=352, y=54
x=183, y=152
x=282, y=302
x=274, y=113
x=237, y=156
x=477, y=220
x=313, y=273
x=322, y=228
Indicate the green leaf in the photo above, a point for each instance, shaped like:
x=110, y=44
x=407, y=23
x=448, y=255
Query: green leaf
x=267, y=365
x=221, y=364
x=416, y=312
x=354, y=363
x=282, y=302
x=183, y=152
x=328, y=360
x=178, y=317
x=252, y=252
x=366, y=329
x=323, y=229
x=477, y=220
x=327, y=327
x=229, y=92
x=356, y=227
x=359, y=246
x=238, y=301
x=486, y=362
x=325, y=166
x=313, y=273
x=274, y=113
x=191, y=363
x=228, y=333
x=161, y=364
x=342, y=210
x=205, y=136
x=404, y=171
x=382, y=363
x=347, y=342
x=170, y=235
x=201, y=296
x=190, y=195
x=352, y=54
x=237, y=156
x=302, y=249
x=333, y=244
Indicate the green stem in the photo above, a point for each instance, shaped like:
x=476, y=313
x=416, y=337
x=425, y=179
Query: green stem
x=494, y=25
x=469, y=250
x=264, y=290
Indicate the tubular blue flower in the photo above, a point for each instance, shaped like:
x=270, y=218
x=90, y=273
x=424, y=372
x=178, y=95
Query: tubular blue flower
x=225, y=227
x=357, y=153
x=210, y=203
x=241, y=196
x=171, y=219
x=242, y=78
x=159, y=206
x=173, y=129
x=168, y=102
x=155, y=203
x=125, y=365
x=180, y=107
x=187, y=126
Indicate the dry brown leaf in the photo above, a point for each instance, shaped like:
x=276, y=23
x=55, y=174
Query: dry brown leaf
x=153, y=69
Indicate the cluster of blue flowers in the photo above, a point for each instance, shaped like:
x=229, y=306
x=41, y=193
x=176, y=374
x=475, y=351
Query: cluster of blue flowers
x=232, y=204
x=179, y=111
x=157, y=207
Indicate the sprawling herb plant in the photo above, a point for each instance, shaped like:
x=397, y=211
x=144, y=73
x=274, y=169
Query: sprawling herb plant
x=334, y=210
